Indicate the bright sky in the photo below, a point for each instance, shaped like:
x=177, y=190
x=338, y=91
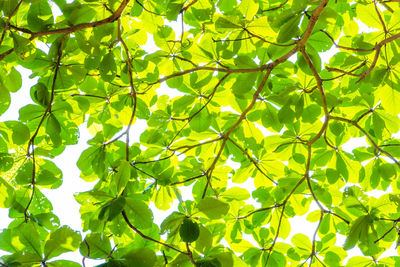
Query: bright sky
x=67, y=209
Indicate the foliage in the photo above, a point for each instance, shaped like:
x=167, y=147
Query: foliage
x=238, y=69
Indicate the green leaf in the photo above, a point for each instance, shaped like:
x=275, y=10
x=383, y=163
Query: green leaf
x=235, y=193
x=201, y=122
x=114, y=263
x=368, y=15
x=390, y=97
x=248, y=8
x=358, y=231
x=223, y=24
x=208, y=263
x=40, y=94
x=213, y=208
x=62, y=263
x=13, y=80
x=95, y=246
x=24, y=174
x=6, y=194
x=30, y=112
x=112, y=209
x=139, y=213
x=29, y=237
x=173, y=9
x=301, y=241
x=289, y=30
x=5, y=99
x=6, y=162
x=205, y=240
x=40, y=16
x=141, y=257
x=61, y=240
x=20, y=132
x=336, y=128
x=108, y=67
x=122, y=177
x=252, y=256
x=137, y=9
x=77, y=13
x=172, y=222
x=53, y=128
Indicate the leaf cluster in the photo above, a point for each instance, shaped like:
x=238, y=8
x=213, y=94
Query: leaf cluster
x=256, y=101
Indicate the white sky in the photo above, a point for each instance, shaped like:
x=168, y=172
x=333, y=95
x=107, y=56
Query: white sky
x=67, y=209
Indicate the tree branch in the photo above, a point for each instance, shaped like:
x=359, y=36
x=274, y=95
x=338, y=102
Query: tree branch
x=147, y=237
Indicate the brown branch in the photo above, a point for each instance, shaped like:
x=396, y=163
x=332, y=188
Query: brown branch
x=115, y=16
x=148, y=174
x=89, y=95
x=260, y=210
x=308, y=179
x=322, y=94
x=311, y=90
x=269, y=67
x=189, y=179
x=311, y=24
x=342, y=71
x=87, y=254
x=114, y=139
x=345, y=47
x=189, y=147
x=328, y=142
x=252, y=160
x=208, y=69
x=288, y=143
x=276, y=235
x=384, y=3
x=209, y=98
x=237, y=123
x=323, y=264
x=341, y=75
x=315, y=237
x=283, y=204
x=266, y=41
x=377, y=50
x=147, y=10
x=156, y=160
x=231, y=40
x=385, y=234
x=390, y=145
x=8, y=21
x=147, y=237
x=374, y=144
x=275, y=8
x=132, y=92
x=364, y=114
x=31, y=143
x=380, y=18
x=337, y=215
x=190, y=255
x=189, y=5
x=183, y=59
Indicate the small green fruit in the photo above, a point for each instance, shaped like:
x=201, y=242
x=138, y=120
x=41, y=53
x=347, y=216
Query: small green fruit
x=189, y=231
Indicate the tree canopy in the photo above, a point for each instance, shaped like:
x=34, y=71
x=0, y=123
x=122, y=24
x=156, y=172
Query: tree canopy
x=256, y=100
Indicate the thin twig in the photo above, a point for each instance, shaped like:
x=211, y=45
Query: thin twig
x=147, y=237
x=31, y=143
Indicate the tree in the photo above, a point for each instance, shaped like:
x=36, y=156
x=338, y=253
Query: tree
x=239, y=69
